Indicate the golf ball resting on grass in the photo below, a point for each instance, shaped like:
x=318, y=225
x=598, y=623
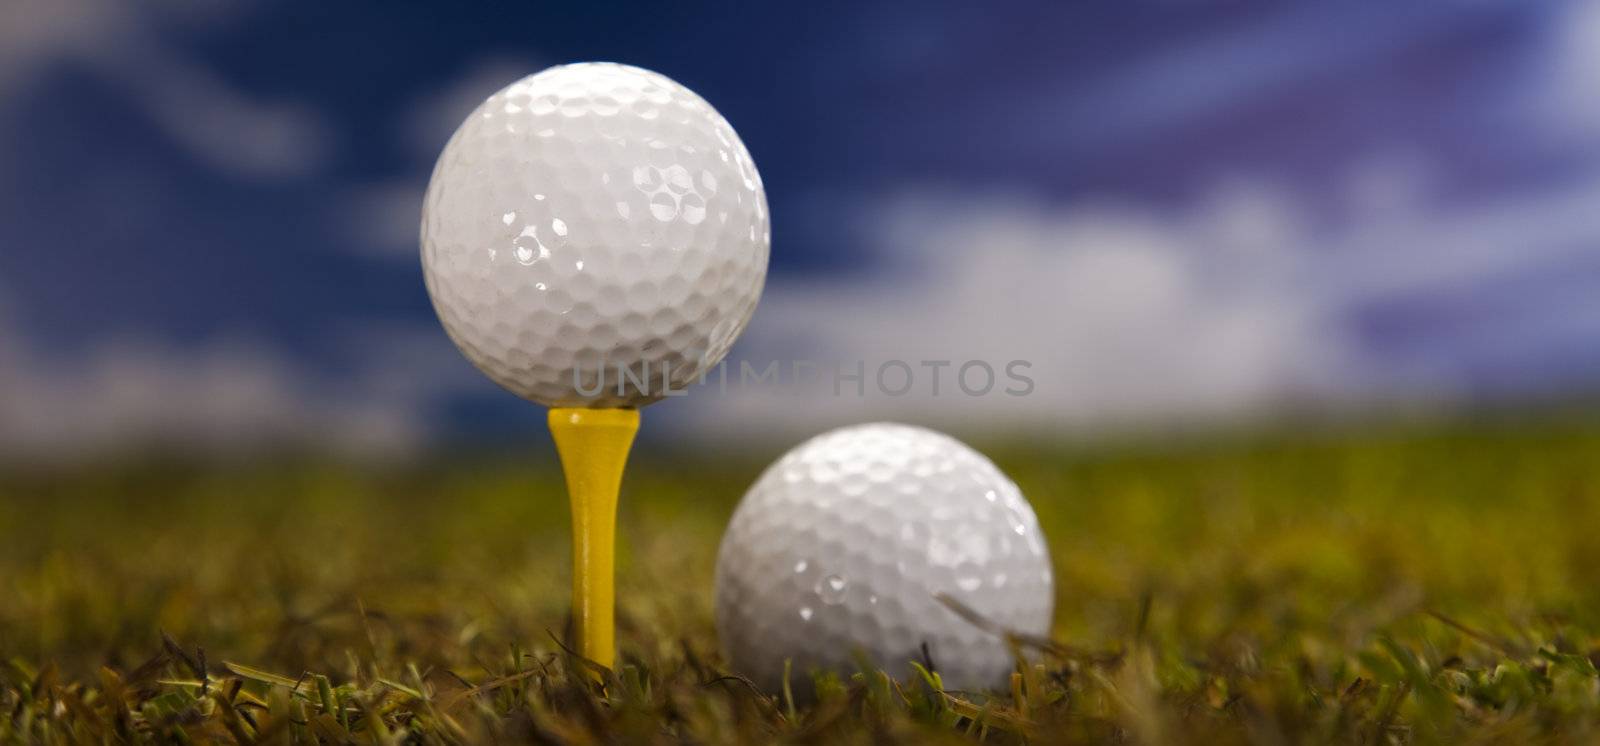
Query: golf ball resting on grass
x=594, y=237
x=847, y=542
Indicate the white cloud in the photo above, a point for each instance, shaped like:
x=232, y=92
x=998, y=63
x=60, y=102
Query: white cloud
x=1208, y=74
x=382, y=220
x=407, y=361
x=1135, y=316
x=1463, y=246
x=36, y=33
x=1564, y=86
x=219, y=124
x=1127, y=317
x=228, y=395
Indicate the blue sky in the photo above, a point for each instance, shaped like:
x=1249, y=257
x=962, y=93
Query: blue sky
x=1175, y=211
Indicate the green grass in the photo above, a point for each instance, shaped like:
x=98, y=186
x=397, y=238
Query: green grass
x=1417, y=584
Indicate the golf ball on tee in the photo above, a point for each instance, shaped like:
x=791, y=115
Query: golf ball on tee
x=594, y=235
x=845, y=542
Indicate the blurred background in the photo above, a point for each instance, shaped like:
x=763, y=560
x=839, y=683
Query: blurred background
x=1182, y=214
x=1309, y=295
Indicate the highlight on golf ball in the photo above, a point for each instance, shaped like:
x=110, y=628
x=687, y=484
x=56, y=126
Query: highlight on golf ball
x=846, y=544
x=595, y=235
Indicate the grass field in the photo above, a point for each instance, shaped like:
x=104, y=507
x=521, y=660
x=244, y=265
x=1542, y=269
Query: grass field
x=1414, y=584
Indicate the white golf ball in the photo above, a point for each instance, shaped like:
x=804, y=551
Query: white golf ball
x=845, y=542
x=594, y=236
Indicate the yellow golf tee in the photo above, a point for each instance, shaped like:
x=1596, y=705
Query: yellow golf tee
x=594, y=444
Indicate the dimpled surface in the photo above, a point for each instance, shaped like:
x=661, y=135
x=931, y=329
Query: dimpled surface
x=588, y=217
x=842, y=544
